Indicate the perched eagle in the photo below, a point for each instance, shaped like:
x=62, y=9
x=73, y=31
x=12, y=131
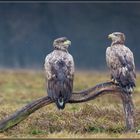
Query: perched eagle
x=120, y=61
x=59, y=68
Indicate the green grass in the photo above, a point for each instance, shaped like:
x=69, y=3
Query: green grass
x=100, y=118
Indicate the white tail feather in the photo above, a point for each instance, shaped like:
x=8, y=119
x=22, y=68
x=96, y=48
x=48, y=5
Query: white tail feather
x=128, y=89
x=61, y=103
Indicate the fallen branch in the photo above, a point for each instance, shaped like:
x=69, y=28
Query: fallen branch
x=77, y=97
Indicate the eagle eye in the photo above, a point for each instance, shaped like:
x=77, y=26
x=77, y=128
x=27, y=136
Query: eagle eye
x=64, y=40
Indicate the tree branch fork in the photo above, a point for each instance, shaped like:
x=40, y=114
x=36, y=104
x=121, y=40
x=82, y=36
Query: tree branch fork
x=77, y=97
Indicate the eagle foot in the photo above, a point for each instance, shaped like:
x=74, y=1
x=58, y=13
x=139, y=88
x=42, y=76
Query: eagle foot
x=114, y=81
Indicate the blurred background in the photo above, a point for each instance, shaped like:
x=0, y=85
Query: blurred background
x=27, y=31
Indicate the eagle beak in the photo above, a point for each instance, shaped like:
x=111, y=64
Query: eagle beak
x=110, y=36
x=67, y=42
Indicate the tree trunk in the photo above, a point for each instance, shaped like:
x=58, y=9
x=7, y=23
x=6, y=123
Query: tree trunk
x=128, y=110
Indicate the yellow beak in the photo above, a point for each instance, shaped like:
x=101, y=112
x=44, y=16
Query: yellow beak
x=110, y=36
x=67, y=42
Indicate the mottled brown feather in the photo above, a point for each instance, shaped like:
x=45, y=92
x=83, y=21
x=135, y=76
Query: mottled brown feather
x=120, y=61
x=59, y=69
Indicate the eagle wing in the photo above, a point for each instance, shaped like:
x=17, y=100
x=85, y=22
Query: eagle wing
x=60, y=73
x=120, y=60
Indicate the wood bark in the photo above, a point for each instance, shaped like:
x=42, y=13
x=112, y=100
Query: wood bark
x=77, y=97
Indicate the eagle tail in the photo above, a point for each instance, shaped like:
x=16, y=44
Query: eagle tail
x=128, y=89
x=60, y=102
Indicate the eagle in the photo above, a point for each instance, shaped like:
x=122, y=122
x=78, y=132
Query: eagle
x=59, y=71
x=120, y=61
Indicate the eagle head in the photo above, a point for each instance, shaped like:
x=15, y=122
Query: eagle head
x=117, y=38
x=61, y=43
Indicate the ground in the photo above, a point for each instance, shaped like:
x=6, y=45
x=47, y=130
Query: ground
x=100, y=118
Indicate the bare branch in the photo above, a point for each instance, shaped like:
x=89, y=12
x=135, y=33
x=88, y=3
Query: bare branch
x=77, y=97
x=23, y=113
x=93, y=92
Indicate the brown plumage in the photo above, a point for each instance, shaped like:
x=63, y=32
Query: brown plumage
x=59, y=68
x=120, y=61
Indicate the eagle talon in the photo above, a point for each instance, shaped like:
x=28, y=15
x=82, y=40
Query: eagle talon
x=114, y=81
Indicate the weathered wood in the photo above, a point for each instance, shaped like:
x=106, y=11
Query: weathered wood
x=128, y=110
x=23, y=113
x=77, y=97
x=93, y=92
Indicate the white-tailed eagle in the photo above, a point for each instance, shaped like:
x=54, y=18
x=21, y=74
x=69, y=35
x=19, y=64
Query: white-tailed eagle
x=59, y=68
x=120, y=61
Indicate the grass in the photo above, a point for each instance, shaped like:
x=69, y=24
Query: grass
x=100, y=118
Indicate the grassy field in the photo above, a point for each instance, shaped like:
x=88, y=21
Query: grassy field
x=100, y=118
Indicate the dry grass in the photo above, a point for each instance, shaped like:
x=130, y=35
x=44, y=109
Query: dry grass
x=101, y=118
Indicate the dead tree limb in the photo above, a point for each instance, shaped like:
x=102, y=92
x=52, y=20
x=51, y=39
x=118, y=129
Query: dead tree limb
x=77, y=97
x=128, y=110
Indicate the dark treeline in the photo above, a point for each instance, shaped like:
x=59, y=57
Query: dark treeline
x=27, y=31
